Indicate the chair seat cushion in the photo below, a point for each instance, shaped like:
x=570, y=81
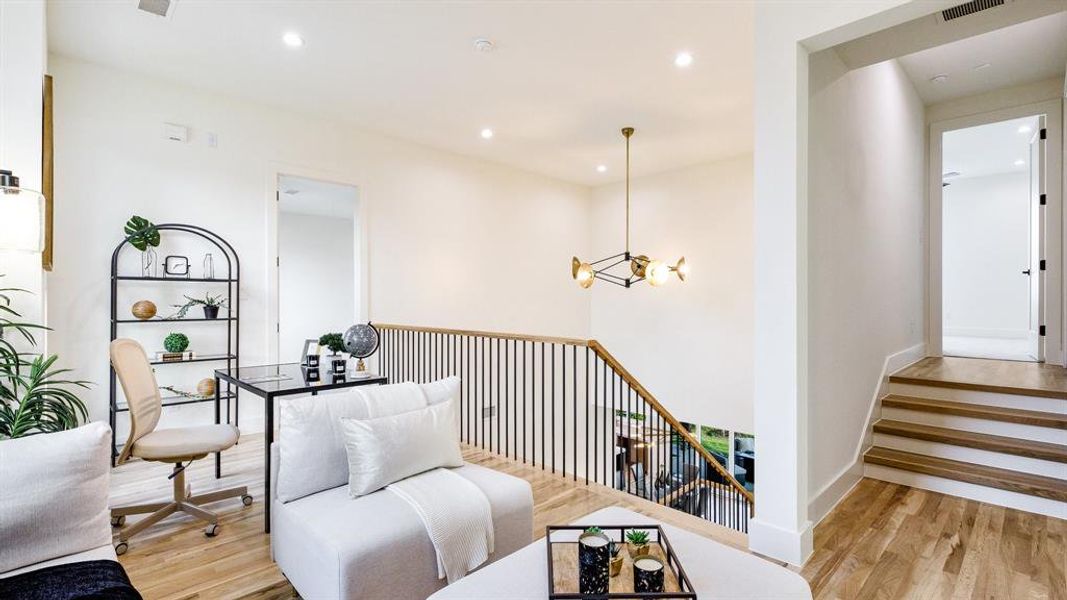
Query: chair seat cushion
x=332, y=546
x=185, y=442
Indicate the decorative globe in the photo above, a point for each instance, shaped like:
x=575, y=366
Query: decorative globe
x=361, y=340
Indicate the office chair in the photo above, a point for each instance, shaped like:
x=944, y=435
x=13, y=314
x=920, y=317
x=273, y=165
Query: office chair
x=178, y=446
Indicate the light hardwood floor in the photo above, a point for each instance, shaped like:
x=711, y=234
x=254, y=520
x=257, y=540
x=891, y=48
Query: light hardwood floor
x=883, y=541
x=1005, y=376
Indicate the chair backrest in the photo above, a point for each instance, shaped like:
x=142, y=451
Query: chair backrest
x=139, y=385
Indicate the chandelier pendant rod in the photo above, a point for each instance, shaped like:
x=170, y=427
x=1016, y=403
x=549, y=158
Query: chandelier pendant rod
x=628, y=131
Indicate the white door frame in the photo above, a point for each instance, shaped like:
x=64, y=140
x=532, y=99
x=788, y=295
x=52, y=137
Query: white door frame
x=274, y=172
x=1054, y=251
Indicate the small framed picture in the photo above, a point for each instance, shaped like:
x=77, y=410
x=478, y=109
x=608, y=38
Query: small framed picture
x=309, y=357
x=176, y=266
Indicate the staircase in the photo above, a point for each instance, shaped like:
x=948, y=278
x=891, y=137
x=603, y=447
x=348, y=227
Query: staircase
x=984, y=430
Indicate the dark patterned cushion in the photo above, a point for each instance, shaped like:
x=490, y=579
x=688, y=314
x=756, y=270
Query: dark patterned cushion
x=87, y=580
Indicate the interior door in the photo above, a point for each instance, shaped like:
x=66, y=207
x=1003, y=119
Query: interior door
x=1037, y=242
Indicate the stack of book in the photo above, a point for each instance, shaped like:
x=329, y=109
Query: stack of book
x=175, y=356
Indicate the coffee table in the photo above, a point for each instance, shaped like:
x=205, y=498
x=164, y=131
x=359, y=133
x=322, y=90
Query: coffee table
x=716, y=570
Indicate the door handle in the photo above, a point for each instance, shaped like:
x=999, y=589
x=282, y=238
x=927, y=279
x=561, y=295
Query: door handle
x=1026, y=272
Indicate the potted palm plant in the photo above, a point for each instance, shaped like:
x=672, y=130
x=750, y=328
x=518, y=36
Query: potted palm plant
x=34, y=395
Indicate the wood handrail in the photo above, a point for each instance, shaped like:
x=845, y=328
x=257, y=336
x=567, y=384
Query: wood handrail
x=616, y=366
x=489, y=334
x=668, y=417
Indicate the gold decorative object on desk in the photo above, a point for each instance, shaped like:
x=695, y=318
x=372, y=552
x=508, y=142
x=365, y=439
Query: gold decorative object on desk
x=143, y=309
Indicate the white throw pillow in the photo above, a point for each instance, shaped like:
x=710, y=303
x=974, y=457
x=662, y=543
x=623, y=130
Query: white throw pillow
x=312, y=451
x=444, y=390
x=381, y=451
x=53, y=495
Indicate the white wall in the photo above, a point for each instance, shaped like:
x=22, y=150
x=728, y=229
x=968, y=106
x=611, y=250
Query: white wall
x=689, y=343
x=23, y=54
x=431, y=215
x=316, y=289
x=866, y=257
x=985, y=246
x=785, y=33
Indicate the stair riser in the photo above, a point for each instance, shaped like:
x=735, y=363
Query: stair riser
x=1034, y=504
x=1015, y=430
x=1022, y=464
x=1051, y=405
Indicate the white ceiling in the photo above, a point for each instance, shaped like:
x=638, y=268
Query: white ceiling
x=318, y=198
x=988, y=149
x=562, y=81
x=1023, y=53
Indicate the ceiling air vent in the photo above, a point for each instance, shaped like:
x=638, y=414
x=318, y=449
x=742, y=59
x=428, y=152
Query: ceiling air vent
x=156, y=7
x=969, y=8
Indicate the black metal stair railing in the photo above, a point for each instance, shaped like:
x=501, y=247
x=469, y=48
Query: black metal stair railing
x=568, y=406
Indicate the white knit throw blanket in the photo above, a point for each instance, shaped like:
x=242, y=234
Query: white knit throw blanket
x=457, y=517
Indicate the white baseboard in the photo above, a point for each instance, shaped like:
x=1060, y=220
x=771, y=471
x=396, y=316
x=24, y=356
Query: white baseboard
x=824, y=501
x=786, y=545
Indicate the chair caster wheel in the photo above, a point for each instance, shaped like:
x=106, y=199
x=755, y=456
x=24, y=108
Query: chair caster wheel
x=118, y=521
x=121, y=548
x=246, y=499
x=211, y=530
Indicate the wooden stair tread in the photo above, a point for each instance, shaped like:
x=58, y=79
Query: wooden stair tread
x=978, y=387
x=970, y=439
x=978, y=411
x=1015, y=481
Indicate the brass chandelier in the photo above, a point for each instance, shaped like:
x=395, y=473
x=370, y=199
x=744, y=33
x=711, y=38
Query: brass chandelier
x=637, y=268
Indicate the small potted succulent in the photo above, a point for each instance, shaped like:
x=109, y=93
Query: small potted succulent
x=616, y=558
x=211, y=305
x=637, y=541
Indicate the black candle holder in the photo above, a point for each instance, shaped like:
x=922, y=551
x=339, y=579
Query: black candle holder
x=648, y=574
x=311, y=361
x=311, y=374
x=594, y=558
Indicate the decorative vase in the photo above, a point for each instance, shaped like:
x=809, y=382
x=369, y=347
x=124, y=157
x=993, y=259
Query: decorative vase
x=211, y=312
x=143, y=310
x=148, y=263
x=594, y=556
x=209, y=266
x=206, y=387
x=648, y=575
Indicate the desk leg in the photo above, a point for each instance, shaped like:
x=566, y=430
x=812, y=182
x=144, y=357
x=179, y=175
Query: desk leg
x=268, y=439
x=218, y=419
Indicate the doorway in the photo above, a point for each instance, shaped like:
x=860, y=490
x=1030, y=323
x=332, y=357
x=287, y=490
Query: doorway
x=992, y=239
x=318, y=261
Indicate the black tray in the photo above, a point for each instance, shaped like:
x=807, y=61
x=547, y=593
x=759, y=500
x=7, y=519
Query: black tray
x=560, y=550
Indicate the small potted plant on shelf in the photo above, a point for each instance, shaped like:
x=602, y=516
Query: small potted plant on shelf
x=637, y=541
x=211, y=305
x=336, y=343
x=616, y=558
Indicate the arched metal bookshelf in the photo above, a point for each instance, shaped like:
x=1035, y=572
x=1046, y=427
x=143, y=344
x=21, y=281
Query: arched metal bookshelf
x=232, y=279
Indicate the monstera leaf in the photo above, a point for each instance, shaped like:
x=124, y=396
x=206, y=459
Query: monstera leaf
x=141, y=232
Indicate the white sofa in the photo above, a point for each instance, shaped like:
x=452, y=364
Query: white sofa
x=332, y=546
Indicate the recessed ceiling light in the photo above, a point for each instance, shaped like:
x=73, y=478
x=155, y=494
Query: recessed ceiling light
x=601, y=168
x=1020, y=162
x=1024, y=129
x=293, y=39
x=487, y=133
x=683, y=60
x=982, y=66
x=942, y=78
